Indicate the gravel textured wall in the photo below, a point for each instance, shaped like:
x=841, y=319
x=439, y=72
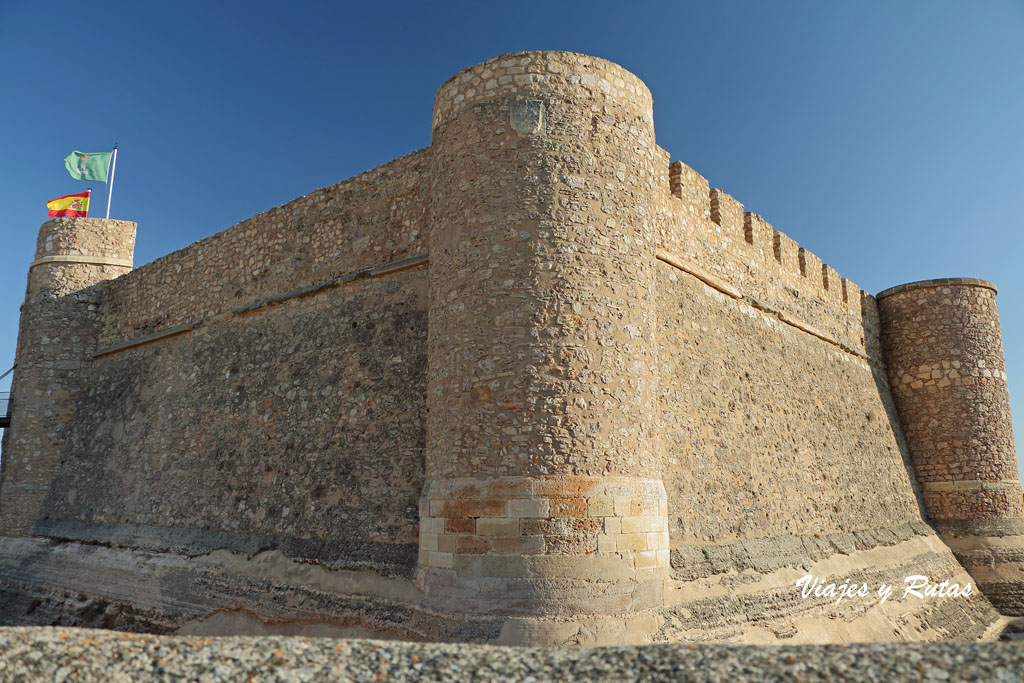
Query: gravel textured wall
x=769, y=430
x=62, y=654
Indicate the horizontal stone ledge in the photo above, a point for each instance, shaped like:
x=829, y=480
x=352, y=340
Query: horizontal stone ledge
x=31, y=486
x=388, y=559
x=720, y=285
x=378, y=271
x=970, y=485
x=603, y=568
x=693, y=560
x=147, y=339
x=707, y=278
x=983, y=528
x=991, y=556
x=556, y=485
x=82, y=258
x=808, y=328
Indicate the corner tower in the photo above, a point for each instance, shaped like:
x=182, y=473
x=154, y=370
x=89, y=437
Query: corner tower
x=60, y=322
x=544, y=517
x=944, y=353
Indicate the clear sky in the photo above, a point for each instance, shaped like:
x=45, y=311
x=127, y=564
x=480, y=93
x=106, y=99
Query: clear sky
x=886, y=137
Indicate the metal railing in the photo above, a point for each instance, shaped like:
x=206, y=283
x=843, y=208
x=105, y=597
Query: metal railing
x=5, y=403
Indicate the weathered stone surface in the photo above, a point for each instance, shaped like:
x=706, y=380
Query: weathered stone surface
x=535, y=384
x=52, y=653
x=944, y=353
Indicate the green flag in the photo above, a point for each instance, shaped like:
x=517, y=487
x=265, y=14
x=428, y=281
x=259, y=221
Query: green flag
x=88, y=166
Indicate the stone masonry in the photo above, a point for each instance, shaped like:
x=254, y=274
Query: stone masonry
x=945, y=360
x=60, y=321
x=534, y=384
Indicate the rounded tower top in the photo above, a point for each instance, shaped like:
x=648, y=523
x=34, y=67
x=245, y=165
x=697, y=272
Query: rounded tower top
x=545, y=72
x=74, y=253
x=101, y=238
x=937, y=282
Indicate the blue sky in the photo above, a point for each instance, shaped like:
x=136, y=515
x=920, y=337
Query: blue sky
x=886, y=137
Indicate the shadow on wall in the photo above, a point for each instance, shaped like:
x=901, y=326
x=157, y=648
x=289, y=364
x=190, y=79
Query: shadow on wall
x=5, y=410
x=885, y=394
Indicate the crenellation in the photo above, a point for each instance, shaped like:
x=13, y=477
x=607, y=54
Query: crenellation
x=851, y=294
x=786, y=254
x=831, y=285
x=694, y=191
x=727, y=212
x=810, y=270
x=750, y=267
x=758, y=234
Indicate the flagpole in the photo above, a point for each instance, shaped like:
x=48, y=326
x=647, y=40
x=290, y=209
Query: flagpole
x=110, y=188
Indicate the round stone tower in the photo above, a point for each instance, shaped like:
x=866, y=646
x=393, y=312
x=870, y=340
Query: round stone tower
x=543, y=519
x=59, y=328
x=944, y=353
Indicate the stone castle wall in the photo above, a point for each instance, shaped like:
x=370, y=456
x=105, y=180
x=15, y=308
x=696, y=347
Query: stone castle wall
x=261, y=388
x=533, y=384
x=781, y=440
x=298, y=427
x=945, y=354
x=373, y=219
x=57, y=335
x=756, y=336
x=945, y=361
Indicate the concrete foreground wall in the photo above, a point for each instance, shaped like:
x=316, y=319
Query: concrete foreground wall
x=48, y=653
x=534, y=384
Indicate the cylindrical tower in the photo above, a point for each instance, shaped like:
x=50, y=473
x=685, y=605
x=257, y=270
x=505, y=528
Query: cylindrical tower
x=944, y=354
x=56, y=337
x=544, y=515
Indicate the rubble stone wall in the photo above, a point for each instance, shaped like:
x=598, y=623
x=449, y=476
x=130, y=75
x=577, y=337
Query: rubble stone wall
x=58, y=332
x=299, y=426
x=541, y=337
x=780, y=437
x=535, y=384
x=375, y=218
x=771, y=381
x=944, y=351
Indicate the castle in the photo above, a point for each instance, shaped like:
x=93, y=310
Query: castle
x=533, y=384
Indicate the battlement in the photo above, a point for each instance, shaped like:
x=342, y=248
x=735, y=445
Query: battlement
x=766, y=266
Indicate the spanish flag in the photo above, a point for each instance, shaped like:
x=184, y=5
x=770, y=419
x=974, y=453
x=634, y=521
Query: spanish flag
x=71, y=205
